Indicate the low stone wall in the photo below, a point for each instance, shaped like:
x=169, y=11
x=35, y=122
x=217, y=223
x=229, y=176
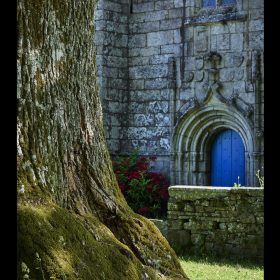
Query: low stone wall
x=216, y=220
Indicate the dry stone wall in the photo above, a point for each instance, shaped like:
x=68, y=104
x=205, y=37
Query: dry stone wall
x=217, y=220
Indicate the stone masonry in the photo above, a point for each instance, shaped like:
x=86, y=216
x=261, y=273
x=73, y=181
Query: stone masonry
x=111, y=40
x=172, y=74
x=215, y=220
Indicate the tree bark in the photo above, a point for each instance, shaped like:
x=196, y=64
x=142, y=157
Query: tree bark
x=70, y=209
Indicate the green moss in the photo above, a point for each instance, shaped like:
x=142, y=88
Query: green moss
x=31, y=191
x=148, y=244
x=72, y=247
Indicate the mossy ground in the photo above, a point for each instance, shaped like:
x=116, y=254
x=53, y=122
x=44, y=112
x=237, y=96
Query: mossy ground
x=73, y=246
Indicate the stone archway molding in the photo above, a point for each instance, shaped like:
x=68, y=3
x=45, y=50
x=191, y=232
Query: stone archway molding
x=192, y=139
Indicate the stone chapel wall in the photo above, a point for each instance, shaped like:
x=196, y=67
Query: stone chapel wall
x=111, y=40
x=163, y=59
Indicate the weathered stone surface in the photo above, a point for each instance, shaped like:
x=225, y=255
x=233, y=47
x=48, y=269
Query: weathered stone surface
x=179, y=238
x=143, y=51
x=170, y=24
x=143, y=120
x=147, y=26
x=201, y=41
x=137, y=133
x=137, y=40
x=171, y=48
x=164, y=144
x=158, y=107
x=256, y=40
x=178, y=3
x=215, y=217
x=149, y=16
x=176, y=224
x=152, y=71
x=136, y=61
x=136, y=84
x=143, y=7
x=158, y=83
x=159, y=59
x=175, y=13
x=163, y=5
x=159, y=38
x=162, y=119
x=237, y=41
x=223, y=41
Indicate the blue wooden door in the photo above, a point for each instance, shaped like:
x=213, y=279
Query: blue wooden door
x=227, y=159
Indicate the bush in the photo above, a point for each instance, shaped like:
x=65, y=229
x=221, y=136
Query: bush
x=145, y=192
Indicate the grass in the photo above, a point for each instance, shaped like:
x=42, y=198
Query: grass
x=213, y=268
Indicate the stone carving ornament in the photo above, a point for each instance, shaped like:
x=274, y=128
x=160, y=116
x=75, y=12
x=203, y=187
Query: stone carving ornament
x=212, y=85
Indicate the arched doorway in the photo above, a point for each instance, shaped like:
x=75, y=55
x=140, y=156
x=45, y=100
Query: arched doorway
x=192, y=142
x=227, y=159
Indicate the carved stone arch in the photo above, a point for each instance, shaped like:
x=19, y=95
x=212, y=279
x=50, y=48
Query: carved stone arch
x=192, y=139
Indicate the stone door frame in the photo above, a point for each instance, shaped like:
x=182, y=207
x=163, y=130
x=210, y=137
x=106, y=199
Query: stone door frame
x=192, y=139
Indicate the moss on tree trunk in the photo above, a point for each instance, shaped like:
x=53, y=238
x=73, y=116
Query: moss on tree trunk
x=73, y=221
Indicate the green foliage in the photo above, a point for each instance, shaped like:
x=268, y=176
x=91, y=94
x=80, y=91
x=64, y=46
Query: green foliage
x=237, y=185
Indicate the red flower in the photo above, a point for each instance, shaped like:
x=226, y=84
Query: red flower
x=152, y=157
x=133, y=175
x=143, y=211
x=142, y=159
x=156, y=178
x=163, y=193
x=141, y=164
x=151, y=191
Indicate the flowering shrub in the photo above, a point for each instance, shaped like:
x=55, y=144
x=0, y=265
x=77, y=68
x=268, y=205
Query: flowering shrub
x=146, y=192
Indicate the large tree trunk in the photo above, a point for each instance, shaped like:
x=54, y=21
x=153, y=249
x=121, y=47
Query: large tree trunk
x=73, y=221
